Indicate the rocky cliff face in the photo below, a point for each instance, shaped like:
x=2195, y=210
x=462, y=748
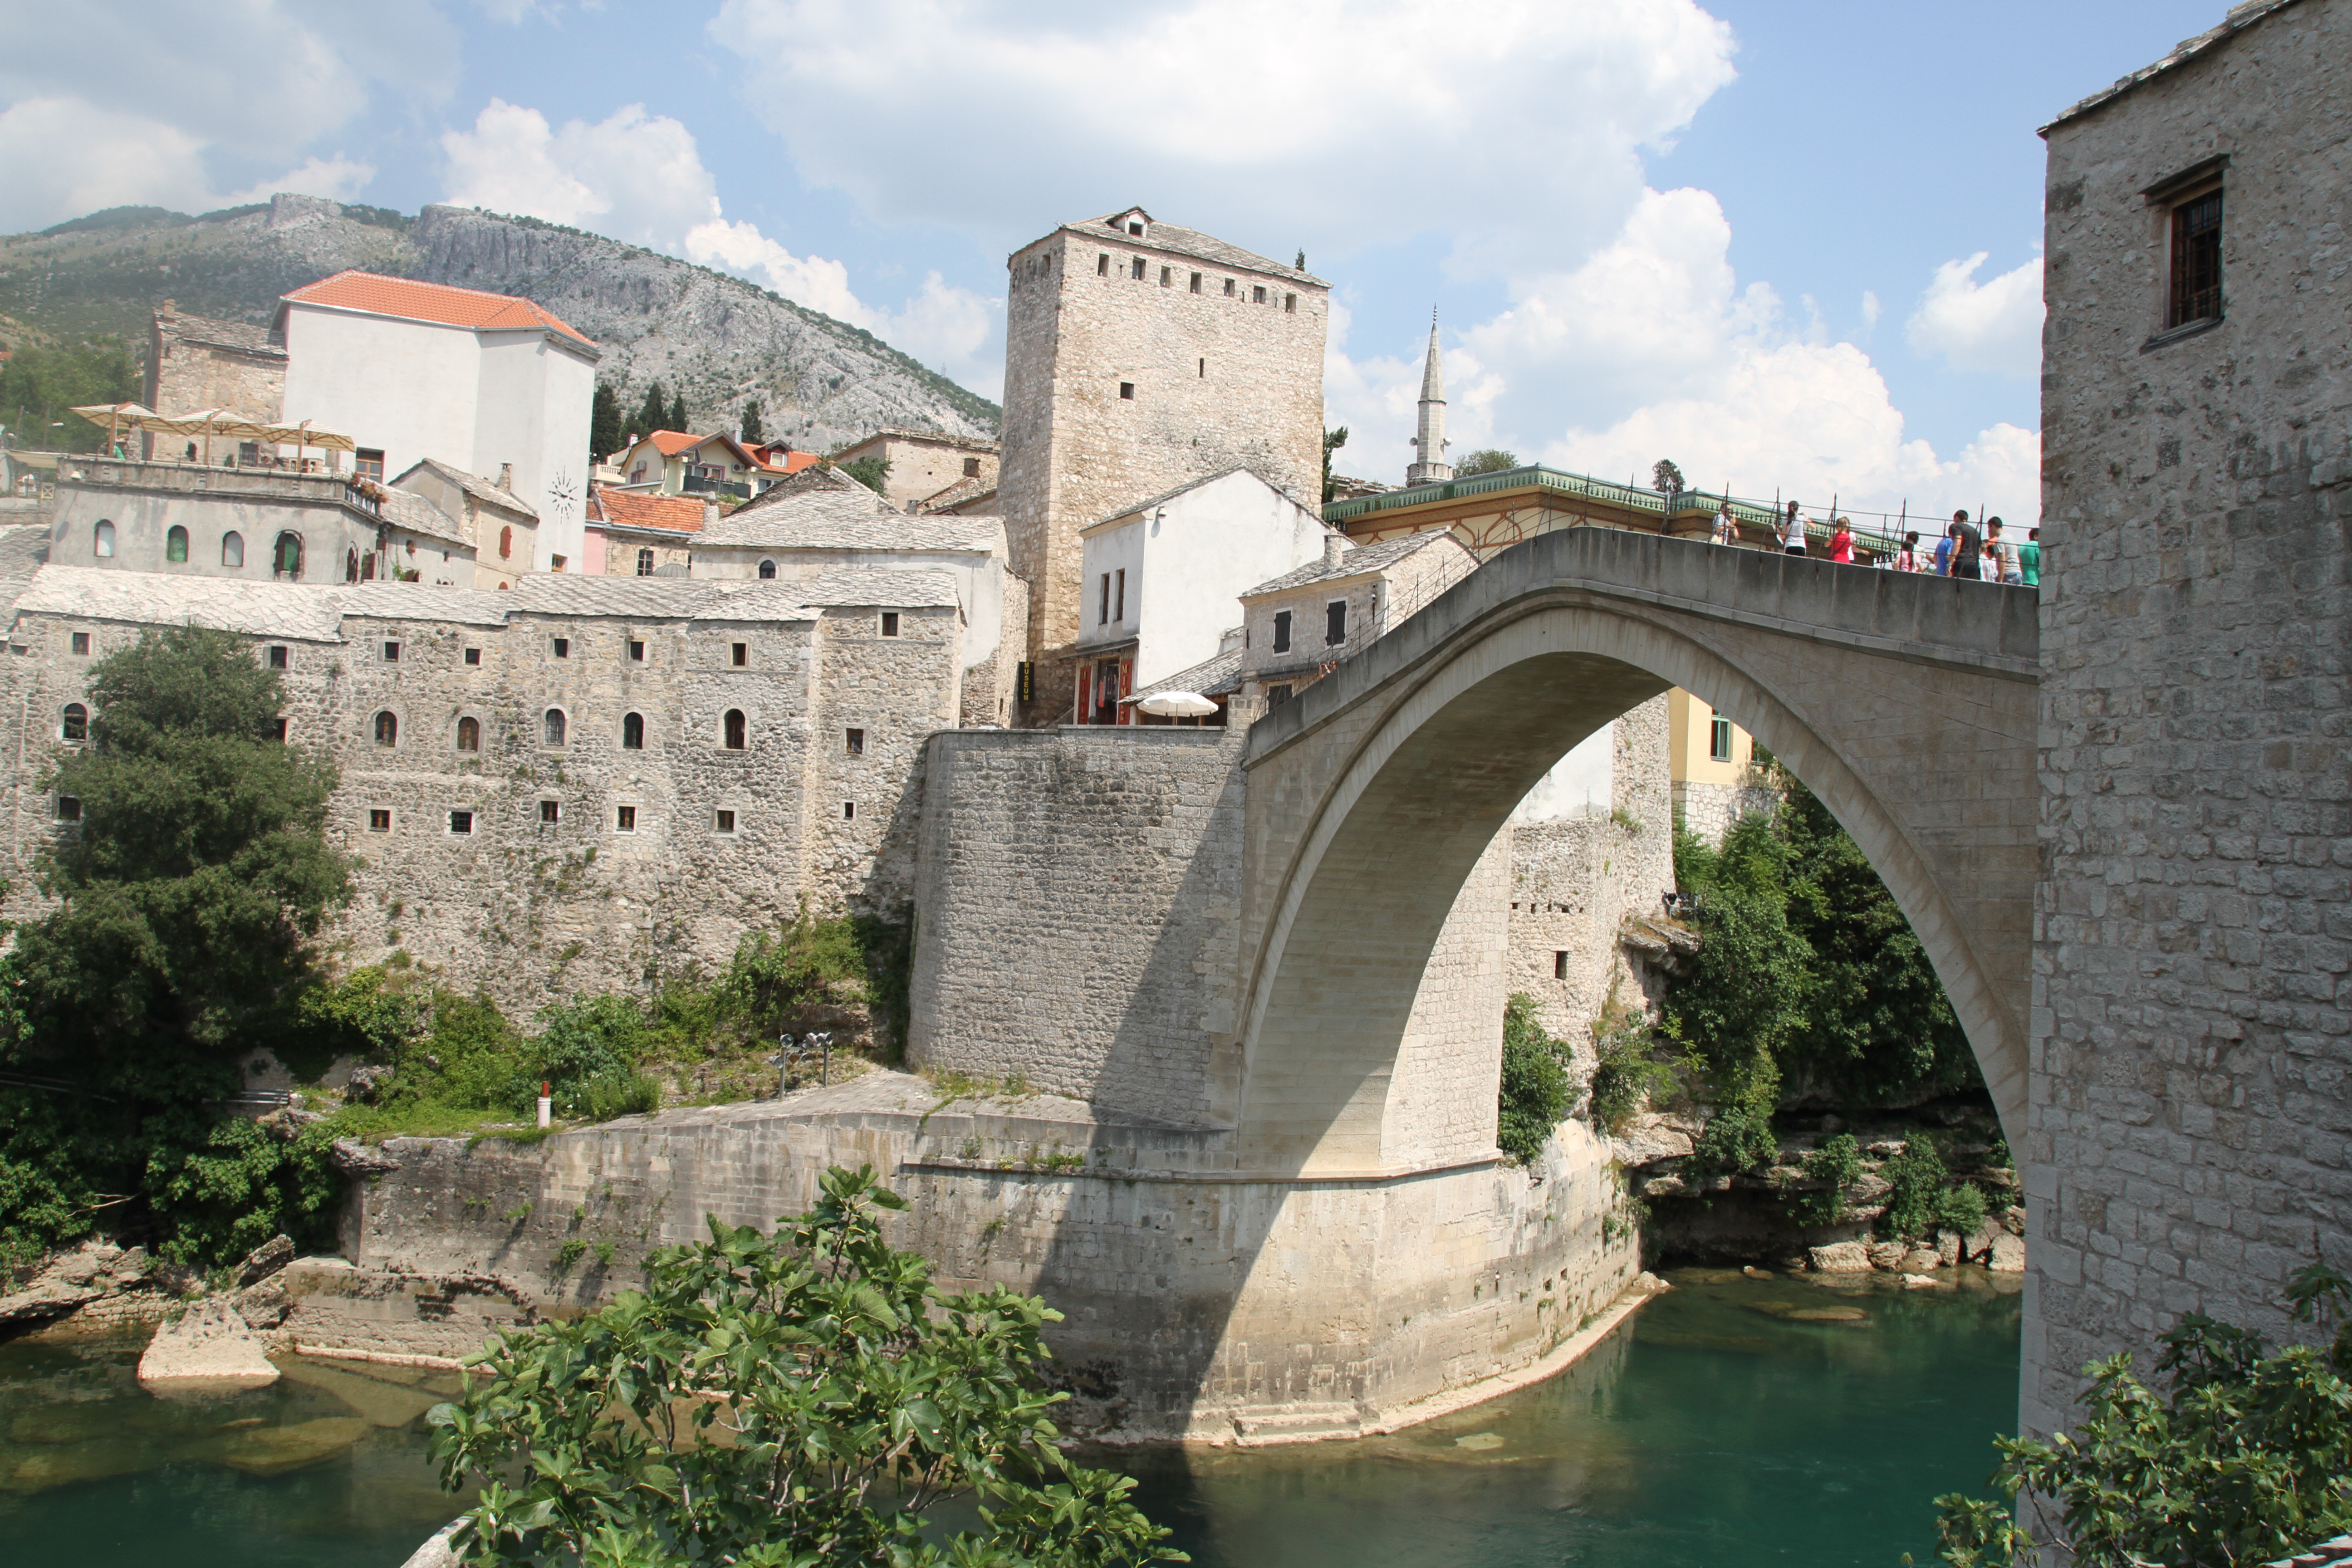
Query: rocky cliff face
x=717, y=338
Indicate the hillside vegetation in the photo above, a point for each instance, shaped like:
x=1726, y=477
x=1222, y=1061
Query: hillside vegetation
x=716, y=339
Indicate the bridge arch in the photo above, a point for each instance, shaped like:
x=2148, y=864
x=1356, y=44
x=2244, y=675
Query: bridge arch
x=1907, y=704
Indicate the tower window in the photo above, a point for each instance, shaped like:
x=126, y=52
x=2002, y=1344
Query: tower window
x=391, y=653
x=1167, y=277
x=735, y=729
x=68, y=809
x=1282, y=631
x=1135, y=270
x=2195, y=260
x=473, y=656
x=378, y=822
x=82, y=645
x=766, y=571
x=633, y=732
x=1229, y=288
x=470, y=734
x=75, y=724
x=739, y=654
x=1559, y=965
x=551, y=812
x=1257, y=293
x=554, y=726
x=506, y=542
x=856, y=740
x=1196, y=283
x=636, y=650
x=562, y=646
x=890, y=623
x=625, y=819
x=387, y=729
x=1127, y=390
x=848, y=810
x=1102, y=266
x=461, y=822
x=277, y=655
x=724, y=822
x=1205, y=370
x=1290, y=303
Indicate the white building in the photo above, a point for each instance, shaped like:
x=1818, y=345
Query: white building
x=480, y=382
x=1162, y=580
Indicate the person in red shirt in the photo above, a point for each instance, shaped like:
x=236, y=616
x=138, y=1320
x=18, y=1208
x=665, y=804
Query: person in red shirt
x=1841, y=542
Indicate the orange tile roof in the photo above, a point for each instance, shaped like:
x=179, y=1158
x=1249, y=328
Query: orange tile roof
x=670, y=443
x=632, y=508
x=381, y=296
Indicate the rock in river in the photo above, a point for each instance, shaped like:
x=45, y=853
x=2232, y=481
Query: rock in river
x=209, y=1347
x=1840, y=1257
x=275, y=1450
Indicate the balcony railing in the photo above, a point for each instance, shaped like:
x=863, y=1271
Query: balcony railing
x=696, y=485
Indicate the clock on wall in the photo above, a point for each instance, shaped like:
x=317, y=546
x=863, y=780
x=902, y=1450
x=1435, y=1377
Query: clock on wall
x=562, y=497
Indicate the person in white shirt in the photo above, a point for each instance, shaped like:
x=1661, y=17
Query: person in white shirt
x=1725, y=532
x=1792, y=533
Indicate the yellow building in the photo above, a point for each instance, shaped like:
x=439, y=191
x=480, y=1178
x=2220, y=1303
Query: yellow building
x=1712, y=761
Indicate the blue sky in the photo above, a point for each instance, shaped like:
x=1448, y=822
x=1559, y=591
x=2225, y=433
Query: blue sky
x=1793, y=246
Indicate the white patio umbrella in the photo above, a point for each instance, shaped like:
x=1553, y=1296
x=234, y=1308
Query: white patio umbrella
x=113, y=416
x=1177, y=705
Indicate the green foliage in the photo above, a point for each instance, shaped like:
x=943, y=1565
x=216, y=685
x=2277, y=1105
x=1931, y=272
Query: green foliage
x=2248, y=1459
x=1917, y=1177
x=1666, y=477
x=781, y=1402
x=1534, y=1096
x=1485, y=460
x=587, y=1051
x=1737, y=1138
x=1332, y=441
x=1742, y=994
x=677, y=414
x=1836, y=1165
x=605, y=432
x=873, y=471
x=749, y=420
x=1626, y=1074
x=652, y=414
x=1961, y=1207
x=41, y=388
x=241, y=1184
x=360, y=1016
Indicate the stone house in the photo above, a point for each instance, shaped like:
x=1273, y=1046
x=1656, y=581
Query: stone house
x=498, y=524
x=1162, y=576
x=1141, y=357
x=481, y=382
x=1300, y=625
x=197, y=361
x=631, y=534
x=571, y=785
x=929, y=470
x=2190, y=1015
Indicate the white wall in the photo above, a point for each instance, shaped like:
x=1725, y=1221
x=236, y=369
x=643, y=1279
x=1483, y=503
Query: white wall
x=1112, y=551
x=1578, y=785
x=410, y=387
x=536, y=390
x=1199, y=554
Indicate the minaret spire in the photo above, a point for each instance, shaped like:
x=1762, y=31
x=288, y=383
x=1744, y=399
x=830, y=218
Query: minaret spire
x=1431, y=443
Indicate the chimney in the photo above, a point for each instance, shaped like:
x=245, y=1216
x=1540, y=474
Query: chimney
x=711, y=514
x=506, y=476
x=1332, y=544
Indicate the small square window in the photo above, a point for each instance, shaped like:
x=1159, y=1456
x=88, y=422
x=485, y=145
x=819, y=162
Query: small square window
x=551, y=812
x=1102, y=266
x=1290, y=303
x=726, y=821
x=1196, y=283
x=1229, y=288
x=277, y=655
x=1127, y=390
x=391, y=653
x=1559, y=966
x=68, y=809
x=1136, y=269
x=1257, y=293
x=473, y=656
x=563, y=648
x=379, y=821
x=972, y=467
x=461, y=822
x=636, y=650
x=890, y=623
x=739, y=654
x=82, y=645
x=856, y=740
x=848, y=810
x=1167, y=277
x=624, y=820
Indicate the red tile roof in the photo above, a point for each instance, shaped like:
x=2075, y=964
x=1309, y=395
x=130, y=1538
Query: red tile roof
x=634, y=508
x=381, y=296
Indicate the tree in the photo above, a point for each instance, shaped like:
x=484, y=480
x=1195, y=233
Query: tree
x=782, y=1400
x=1533, y=1095
x=872, y=471
x=605, y=432
x=2249, y=1459
x=40, y=389
x=1332, y=441
x=654, y=413
x=1301, y=262
x=1666, y=477
x=1485, y=460
x=752, y=434
x=677, y=417
x=180, y=943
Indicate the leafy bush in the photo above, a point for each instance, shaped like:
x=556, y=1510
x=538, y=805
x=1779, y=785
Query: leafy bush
x=1743, y=993
x=852, y=1398
x=1626, y=1074
x=1534, y=1094
x=238, y=1185
x=873, y=472
x=1917, y=1177
x=1837, y=1166
x=1737, y=1138
x=1961, y=1208
x=2249, y=1459
x=587, y=1052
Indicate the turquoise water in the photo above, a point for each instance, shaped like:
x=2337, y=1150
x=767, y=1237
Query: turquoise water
x=1713, y=1428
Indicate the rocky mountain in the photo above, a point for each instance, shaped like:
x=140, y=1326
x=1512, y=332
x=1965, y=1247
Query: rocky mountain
x=717, y=338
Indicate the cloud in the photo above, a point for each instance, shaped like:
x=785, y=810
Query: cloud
x=632, y=175
x=810, y=280
x=1332, y=124
x=337, y=178
x=1994, y=326
x=1652, y=348
x=109, y=88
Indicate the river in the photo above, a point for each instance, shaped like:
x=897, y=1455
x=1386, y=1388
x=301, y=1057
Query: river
x=1717, y=1426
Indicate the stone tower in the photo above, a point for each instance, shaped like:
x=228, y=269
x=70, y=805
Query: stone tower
x=1431, y=468
x=1138, y=357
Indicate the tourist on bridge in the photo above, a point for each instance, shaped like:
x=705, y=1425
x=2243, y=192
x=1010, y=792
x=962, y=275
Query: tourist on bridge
x=1842, y=541
x=1792, y=533
x=1907, y=558
x=1968, y=547
x=1944, y=554
x=2013, y=567
x=1725, y=531
x=2028, y=559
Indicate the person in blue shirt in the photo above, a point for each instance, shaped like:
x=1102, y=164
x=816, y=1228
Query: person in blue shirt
x=1944, y=554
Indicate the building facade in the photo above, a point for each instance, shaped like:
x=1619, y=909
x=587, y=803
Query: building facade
x=1141, y=357
x=1713, y=764
x=927, y=469
x=196, y=362
x=2189, y=1017
x=499, y=525
x=483, y=382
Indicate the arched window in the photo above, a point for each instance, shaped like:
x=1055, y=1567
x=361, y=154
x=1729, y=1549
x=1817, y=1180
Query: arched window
x=101, y=540
x=367, y=567
x=175, y=544
x=77, y=723
x=387, y=729
x=470, y=734
x=633, y=732
x=350, y=565
x=286, y=559
x=767, y=569
x=506, y=542
x=555, y=726
x=645, y=563
x=232, y=549
x=734, y=728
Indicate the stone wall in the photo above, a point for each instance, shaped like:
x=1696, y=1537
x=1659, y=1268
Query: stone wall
x=1708, y=810
x=2191, y=1037
x=1218, y=381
